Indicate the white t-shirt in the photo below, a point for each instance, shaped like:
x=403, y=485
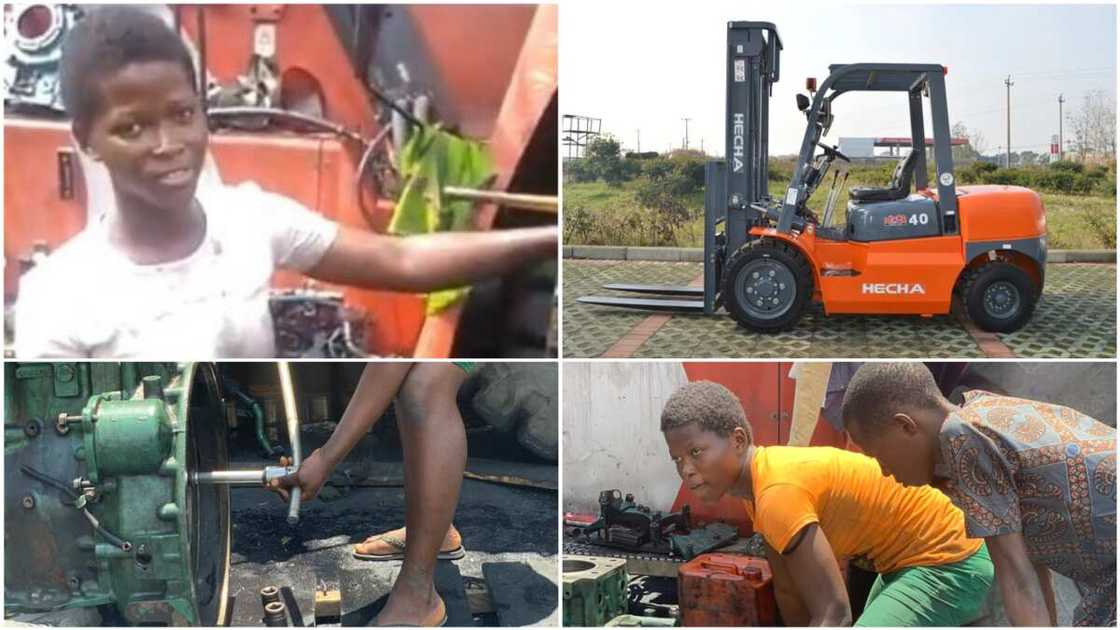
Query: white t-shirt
x=88, y=299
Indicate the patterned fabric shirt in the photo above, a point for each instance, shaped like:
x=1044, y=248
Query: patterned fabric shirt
x=1045, y=471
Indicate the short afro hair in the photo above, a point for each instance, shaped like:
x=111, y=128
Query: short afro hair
x=879, y=390
x=708, y=404
x=106, y=40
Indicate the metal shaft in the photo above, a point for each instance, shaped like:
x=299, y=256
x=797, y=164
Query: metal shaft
x=540, y=203
x=257, y=477
x=230, y=477
x=292, y=415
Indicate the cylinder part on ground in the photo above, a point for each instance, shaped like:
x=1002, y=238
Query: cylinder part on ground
x=114, y=520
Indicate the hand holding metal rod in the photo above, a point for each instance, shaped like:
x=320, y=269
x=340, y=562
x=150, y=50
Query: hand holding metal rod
x=291, y=413
x=258, y=477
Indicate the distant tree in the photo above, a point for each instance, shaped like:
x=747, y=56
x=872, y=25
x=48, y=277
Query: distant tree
x=1094, y=125
x=973, y=149
x=604, y=159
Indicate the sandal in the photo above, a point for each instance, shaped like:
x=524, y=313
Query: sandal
x=391, y=545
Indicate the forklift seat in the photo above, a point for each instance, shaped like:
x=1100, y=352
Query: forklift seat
x=900, y=183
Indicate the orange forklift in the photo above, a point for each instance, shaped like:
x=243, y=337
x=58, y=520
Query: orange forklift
x=894, y=252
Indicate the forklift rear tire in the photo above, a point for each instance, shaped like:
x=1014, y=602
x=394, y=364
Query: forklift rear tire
x=766, y=285
x=999, y=297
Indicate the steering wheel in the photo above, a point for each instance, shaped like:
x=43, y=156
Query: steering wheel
x=833, y=152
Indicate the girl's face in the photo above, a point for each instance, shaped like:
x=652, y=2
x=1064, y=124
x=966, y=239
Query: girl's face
x=151, y=135
x=708, y=463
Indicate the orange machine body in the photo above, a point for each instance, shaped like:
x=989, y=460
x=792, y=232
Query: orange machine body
x=499, y=83
x=728, y=590
x=917, y=276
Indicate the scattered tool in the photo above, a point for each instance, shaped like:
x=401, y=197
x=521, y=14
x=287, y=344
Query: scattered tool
x=891, y=252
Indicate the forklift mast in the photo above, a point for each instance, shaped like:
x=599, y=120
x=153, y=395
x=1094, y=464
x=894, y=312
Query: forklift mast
x=753, y=52
x=741, y=179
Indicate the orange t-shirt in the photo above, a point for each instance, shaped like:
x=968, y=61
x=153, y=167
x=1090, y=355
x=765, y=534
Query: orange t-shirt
x=861, y=512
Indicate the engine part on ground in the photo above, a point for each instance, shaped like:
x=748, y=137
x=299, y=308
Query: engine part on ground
x=594, y=590
x=269, y=595
x=34, y=33
x=703, y=539
x=636, y=621
x=291, y=412
x=275, y=614
x=114, y=520
x=720, y=589
x=624, y=524
x=316, y=324
x=520, y=398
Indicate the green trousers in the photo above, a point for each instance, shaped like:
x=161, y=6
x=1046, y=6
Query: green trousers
x=945, y=595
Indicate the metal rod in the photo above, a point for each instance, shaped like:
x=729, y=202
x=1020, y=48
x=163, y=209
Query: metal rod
x=540, y=203
x=230, y=477
x=292, y=415
x=258, y=477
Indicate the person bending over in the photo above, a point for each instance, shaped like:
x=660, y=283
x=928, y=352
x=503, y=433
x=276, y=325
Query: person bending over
x=815, y=505
x=1036, y=481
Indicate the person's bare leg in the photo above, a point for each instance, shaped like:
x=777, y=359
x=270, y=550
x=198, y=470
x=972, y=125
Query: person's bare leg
x=435, y=454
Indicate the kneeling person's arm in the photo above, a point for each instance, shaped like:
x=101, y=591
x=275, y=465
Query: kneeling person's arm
x=1018, y=581
x=809, y=565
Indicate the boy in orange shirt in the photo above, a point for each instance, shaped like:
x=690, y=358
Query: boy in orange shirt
x=814, y=505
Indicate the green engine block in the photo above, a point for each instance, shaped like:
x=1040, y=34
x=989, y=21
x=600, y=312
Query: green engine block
x=98, y=509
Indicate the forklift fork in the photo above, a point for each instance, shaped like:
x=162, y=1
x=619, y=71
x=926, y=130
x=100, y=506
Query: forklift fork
x=706, y=298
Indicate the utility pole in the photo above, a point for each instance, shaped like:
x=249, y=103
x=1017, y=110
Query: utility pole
x=1061, y=141
x=686, y=132
x=702, y=144
x=639, y=141
x=1008, y=83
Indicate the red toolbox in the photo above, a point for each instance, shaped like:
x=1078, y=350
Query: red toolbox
x=723, y=589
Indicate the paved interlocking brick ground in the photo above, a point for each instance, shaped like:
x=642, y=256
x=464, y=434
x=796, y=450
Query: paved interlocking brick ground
x=1075, y=318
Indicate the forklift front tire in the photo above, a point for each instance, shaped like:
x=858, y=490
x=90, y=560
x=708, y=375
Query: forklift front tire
x=999, y=297
x=766, y=285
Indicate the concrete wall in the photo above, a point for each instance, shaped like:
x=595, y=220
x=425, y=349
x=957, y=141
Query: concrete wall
x=611, y=432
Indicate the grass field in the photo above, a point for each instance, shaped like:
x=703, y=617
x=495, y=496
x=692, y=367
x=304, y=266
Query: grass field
x=1073, y=221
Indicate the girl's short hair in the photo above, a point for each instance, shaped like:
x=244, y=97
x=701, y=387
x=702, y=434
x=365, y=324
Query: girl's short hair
x=106, y=40
x=710, y=405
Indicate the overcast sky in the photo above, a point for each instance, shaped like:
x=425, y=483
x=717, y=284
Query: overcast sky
x=647, y=65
